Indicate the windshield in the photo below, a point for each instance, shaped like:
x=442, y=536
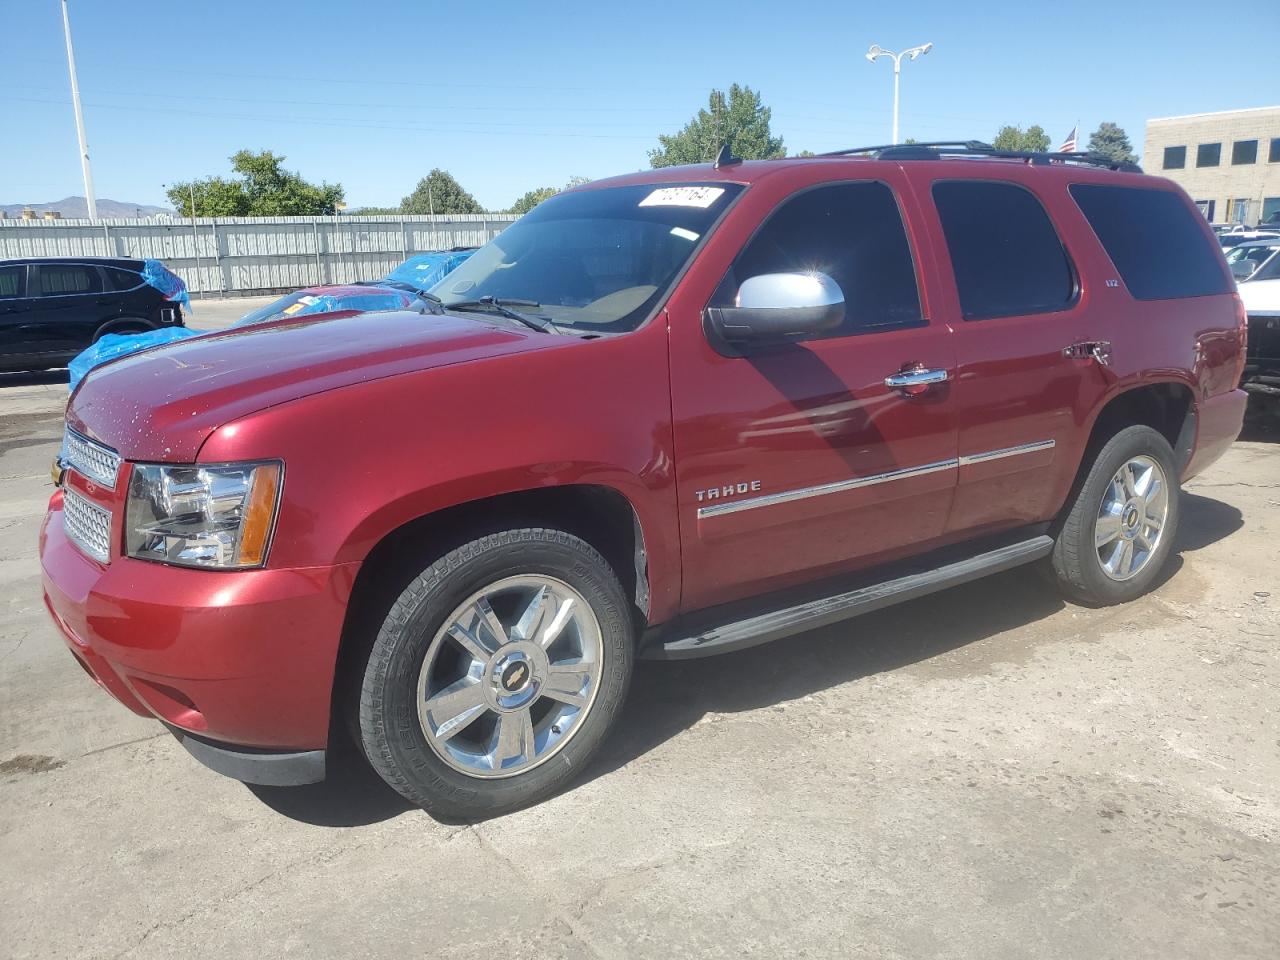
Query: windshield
x=1256, y=254
x=1247, y=260
x=597, y=261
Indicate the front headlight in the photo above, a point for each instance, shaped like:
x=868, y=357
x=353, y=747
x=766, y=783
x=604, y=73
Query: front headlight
x=203, y=516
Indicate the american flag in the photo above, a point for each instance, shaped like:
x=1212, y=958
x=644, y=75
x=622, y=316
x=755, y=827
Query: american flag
x=1069, y=144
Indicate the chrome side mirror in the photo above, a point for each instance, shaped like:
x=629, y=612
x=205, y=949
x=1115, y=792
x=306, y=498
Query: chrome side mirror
x=774, y=309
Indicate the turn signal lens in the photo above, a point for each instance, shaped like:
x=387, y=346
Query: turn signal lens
x=259, y=515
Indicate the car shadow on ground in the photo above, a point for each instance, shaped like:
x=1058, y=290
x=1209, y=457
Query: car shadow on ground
x=668, y=698
x=38, y=378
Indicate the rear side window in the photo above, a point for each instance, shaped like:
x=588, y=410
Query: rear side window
x=55, y=279
x=1007, y=257
x=11, y=281
x=1154, y=241
x=118, y=279
x=853, y=233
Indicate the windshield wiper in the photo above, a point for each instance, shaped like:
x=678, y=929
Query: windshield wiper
x=503, y=307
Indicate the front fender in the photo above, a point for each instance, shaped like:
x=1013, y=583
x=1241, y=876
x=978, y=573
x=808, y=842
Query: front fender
x=364, y=460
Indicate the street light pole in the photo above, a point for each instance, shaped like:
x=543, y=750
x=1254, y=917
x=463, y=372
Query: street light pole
x=89, y=196
x=876, y=52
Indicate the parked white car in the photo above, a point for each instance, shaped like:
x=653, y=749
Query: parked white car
x=1255, y=260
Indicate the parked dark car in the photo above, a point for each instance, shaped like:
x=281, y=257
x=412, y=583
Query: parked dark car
x=51, y=309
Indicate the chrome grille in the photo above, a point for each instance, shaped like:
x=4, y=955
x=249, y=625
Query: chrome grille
x=91, y=460
x=87, y=524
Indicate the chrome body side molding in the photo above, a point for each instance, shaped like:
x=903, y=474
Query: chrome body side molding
x=855, y=483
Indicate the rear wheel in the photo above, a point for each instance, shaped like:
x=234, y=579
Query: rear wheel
x=497, y=673
x=127, y=328
x=1119, y=530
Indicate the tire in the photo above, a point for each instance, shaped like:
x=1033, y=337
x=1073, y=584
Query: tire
x=436, y=639
x=1100, y=575
x=128, y=327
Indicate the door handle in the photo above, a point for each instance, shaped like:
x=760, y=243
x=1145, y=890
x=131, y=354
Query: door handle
x=916, y=380
x=1099, y=350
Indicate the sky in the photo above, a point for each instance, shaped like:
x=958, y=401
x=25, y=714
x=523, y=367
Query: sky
x=509, y=96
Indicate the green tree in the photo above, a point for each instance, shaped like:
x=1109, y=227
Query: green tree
x=262, y=188
x=439, y=192
x=805, y=153
x=740, y=120
x=532, y=199
x=214, y=197
x=1111, y=141
x=1032, y=139
x=536, y=196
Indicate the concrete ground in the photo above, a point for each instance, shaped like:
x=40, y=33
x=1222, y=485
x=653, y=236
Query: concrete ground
x=987, y=773
x=213, y=314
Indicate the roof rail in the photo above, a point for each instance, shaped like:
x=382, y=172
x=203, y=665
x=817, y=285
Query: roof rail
x=937, y=149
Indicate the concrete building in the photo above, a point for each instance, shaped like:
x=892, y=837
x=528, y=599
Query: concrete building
x=1229, y=161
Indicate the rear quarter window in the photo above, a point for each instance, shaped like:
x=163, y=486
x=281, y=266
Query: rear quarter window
x=1154, y=240
x=120, y=279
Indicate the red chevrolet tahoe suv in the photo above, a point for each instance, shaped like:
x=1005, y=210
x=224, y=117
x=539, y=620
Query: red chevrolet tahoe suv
x=665, y=415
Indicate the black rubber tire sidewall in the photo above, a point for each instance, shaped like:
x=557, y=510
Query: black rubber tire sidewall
x=390, y=732
x=1075, y=558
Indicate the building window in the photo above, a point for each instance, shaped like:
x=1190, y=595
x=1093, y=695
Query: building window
x=1175, y=158
x=1208, y=154
x=1244, y=151
x=1275, y=150
x=1239, y=211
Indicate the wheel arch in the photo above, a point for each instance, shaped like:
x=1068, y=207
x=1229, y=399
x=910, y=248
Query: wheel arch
x=1167, y=406
x=599, y=514
x=116, y=323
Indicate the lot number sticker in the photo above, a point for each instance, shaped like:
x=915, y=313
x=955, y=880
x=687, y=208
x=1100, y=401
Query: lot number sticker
x=683, y=197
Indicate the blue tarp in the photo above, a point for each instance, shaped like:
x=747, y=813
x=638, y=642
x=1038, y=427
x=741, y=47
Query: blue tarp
x=421, y=272
x=115, y=345
x=369, y=299
x=425, y=270
x=156, y=274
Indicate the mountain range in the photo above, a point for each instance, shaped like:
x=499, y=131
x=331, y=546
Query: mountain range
x=72, y=208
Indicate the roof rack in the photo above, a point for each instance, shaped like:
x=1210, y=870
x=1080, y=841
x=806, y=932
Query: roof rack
x=937, y=149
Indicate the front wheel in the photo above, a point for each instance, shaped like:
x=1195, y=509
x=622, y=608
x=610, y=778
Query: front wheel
x=497, y=673
x=1119, y=530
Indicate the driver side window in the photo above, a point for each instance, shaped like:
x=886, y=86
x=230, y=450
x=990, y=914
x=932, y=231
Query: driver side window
x=852, y=232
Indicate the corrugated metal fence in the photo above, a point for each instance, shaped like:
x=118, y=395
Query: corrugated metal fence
x=254, y=255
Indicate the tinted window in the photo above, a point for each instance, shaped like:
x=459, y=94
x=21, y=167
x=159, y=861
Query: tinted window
x=853, y=233
x=1208, y=154
x=1175, y=158
x=11, y=281
x=1007, y=257
x=1154, y=240
x=1274, y=156
x=118, y=279
x=55, y=279
x=1244, y=151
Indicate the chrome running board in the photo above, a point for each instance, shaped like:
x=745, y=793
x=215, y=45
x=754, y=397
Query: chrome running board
x=672, y=642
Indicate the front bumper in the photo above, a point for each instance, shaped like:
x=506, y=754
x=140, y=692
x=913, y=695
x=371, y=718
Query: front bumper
x=239, y=664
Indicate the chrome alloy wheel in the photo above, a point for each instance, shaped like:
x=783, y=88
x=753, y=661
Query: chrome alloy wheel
x=510, y=677
x=1131, y=519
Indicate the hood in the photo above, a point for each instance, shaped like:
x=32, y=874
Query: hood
x=163, y=403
